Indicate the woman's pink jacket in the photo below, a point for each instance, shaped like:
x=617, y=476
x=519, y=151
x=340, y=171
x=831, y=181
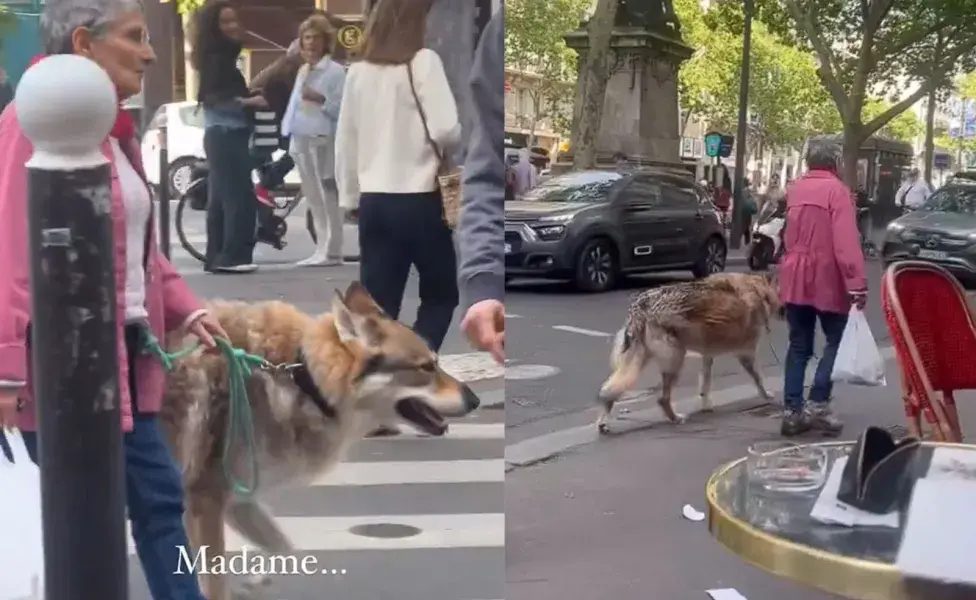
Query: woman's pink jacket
x=823, y=261
x=169, y=301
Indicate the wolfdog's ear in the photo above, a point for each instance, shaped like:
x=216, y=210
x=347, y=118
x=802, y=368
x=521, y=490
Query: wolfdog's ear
x=351, y=324
x=358, y=300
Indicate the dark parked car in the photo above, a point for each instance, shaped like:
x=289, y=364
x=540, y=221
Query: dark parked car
x=594, y=226
x=942, y=231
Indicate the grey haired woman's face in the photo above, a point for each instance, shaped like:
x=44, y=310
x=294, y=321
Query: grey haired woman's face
x=122, y=49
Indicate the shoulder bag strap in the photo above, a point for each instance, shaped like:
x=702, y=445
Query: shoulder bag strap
x=423, y=115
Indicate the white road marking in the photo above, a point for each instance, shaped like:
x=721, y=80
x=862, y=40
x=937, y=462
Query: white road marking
x=421, y=471
x=471, y=366
x=321, y=534
x=522, y=372
x=581, y=331
x=459, y=431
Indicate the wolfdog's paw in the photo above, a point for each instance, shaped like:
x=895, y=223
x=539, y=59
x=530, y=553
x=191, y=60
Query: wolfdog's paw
x=603, y=427
x=679, y=418
x=706, y=404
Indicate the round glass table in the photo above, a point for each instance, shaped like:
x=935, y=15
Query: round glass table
x=774, y=531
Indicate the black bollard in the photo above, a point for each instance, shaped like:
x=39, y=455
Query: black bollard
x=163, y=193
x=73, y=338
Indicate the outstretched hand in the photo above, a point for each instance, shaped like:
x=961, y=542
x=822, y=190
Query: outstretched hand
x=484, y=325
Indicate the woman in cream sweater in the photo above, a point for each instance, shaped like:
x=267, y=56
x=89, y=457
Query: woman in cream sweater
x=387, y=165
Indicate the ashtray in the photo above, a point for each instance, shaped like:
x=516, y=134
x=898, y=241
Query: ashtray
x=785, y=467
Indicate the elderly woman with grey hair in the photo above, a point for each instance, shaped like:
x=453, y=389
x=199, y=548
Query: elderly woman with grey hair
x=150, y=295
x=821, y=276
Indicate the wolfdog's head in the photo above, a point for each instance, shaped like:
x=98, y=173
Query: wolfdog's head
x=393, y=373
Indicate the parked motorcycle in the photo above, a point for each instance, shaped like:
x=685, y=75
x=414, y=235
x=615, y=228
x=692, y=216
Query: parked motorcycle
x=764, y=250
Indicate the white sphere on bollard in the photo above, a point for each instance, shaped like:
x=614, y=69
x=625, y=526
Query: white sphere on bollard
x=66, y=105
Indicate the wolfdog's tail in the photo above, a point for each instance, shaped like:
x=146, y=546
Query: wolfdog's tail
x=623, y=342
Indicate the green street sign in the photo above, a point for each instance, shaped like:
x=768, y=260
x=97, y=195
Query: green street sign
x=718, y=144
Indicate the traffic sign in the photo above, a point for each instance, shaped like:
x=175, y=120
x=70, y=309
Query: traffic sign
x=941, y=161
x=718, y=144
x=350, y=36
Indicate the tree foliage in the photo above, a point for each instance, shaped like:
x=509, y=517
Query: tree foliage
x=875, y=48
x=786, y=100
x=536, y=50
x=188, y=6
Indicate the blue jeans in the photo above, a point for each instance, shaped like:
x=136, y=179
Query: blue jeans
x=232, y=207
x=802, y=323
x=154, y=497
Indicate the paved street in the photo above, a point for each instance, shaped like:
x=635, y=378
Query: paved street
x=299, y=246
x=428, y=513
x=559, y=348
x=600, y=517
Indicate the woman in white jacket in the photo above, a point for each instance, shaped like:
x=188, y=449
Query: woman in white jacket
x=311, y=120
x=396, y=108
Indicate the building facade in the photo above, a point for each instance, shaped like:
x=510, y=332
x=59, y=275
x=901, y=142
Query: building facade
x=523, y=127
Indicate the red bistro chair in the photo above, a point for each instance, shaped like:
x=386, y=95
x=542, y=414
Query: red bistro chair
x=935, y=343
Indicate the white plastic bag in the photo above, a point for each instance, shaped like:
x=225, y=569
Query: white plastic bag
x=21, y=543
x=858, y=359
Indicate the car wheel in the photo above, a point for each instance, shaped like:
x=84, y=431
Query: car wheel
x=711, y=260
x=180, y=176
x=596, y=267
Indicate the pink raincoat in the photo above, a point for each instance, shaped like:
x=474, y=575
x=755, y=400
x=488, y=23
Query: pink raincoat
x=169, y=301
x=823, y=261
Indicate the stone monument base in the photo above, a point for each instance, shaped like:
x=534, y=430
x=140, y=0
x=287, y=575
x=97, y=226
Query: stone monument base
x=641, y=120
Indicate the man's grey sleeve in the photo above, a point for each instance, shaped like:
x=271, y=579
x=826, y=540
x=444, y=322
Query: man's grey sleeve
x=481, y=233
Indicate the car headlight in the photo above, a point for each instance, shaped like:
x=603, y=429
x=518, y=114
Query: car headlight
x=549, y=233
x=557, y=218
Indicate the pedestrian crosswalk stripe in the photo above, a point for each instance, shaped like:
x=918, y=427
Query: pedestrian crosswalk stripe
x=423, y=471
x=471, y=366
x=461, y=431
x=323, y=534
x=320, y=534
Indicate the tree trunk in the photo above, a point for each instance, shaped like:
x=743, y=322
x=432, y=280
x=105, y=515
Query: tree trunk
x=853, y=138
x=930, y=136
x=591, y=93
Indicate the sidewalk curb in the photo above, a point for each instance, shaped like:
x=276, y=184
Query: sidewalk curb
x=543, y=447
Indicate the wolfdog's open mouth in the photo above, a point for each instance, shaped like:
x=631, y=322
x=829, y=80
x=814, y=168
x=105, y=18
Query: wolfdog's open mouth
x=422, y=415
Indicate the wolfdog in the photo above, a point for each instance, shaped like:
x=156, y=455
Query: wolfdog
x=345, y=371
x=725, y=313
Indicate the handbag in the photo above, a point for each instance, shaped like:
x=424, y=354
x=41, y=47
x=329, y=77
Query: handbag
x=448, y=179
x=878, y=471
x=21, y=544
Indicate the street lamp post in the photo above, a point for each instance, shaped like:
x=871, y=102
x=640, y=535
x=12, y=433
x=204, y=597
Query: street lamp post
x=66, y=105
x=741, y=137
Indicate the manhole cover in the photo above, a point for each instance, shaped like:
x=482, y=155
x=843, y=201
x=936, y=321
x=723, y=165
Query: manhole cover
x=385, y=530
x=519, y=372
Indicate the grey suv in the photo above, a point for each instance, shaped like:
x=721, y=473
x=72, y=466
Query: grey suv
x=942, y=231
x=593, y=226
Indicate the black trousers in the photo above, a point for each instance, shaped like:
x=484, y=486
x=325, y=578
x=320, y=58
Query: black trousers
x=232, y=205
x=400, y=230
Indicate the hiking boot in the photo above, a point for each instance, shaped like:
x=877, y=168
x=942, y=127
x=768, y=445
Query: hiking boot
x=822, y=419
x=795, y=422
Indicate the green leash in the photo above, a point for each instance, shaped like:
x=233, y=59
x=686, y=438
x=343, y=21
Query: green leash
x=240, y=421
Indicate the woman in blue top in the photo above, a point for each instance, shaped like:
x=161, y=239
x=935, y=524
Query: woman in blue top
x=227, y=103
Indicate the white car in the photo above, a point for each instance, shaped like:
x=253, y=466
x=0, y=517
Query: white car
x=184, y=142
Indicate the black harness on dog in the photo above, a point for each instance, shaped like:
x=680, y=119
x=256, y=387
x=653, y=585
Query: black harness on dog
x=303, y=379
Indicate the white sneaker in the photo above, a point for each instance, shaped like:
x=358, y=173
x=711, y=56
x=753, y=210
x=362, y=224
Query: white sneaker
x=318, y=260
x=245, y=268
